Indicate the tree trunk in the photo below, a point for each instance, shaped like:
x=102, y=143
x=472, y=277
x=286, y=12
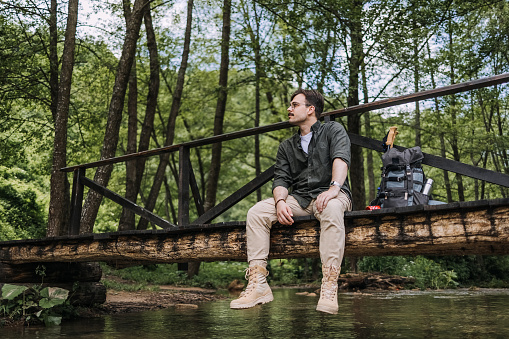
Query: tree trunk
x=367, y=128
x=441, y=133
x=258, y=166
x=58, y=217
x=170, y=127
x=127, y=218
x=357, y=160
x=254, y=34
x=417, y=121
x=111, y=136
x=53, y=58
x=454, y=131
x=153, y=93
x=415, y=33
x=215, y=163
x=443, y=154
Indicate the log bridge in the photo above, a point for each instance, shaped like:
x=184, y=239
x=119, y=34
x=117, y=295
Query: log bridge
x=477, y=227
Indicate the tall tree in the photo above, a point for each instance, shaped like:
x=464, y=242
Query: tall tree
x=59, y=198
x=354, y=121
x=215, y=164
x=368, y=132
x=111, y=136
x=135, y=175
x=416, y=69
x=53, y=57
x=127, y=217
x=441, y=131
x=454, y=109
x=172, y=118
x=253, y=30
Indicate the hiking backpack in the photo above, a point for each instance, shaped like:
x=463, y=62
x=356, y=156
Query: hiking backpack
x=402, y=179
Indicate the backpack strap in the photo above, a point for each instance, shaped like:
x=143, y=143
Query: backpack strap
x=409, y=182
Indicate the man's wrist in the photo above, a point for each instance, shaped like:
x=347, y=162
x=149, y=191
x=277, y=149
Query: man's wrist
x=335, y=183
x=334, y=188
x=280, y=199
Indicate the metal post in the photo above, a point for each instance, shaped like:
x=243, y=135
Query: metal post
x=76, y=201
x=183, y=214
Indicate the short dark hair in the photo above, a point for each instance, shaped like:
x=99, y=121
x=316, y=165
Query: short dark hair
x=313, y=98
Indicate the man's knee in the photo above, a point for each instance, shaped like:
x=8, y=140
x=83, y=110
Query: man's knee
x=334, y=211
x=261, y=212
x=336, y=206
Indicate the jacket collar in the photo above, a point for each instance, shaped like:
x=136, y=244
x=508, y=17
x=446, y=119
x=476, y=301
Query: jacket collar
x=314, y=128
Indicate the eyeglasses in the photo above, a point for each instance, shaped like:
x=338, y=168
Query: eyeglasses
x=294, y=105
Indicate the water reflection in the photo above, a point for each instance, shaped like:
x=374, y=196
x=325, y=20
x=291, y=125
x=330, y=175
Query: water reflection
x=409, y=314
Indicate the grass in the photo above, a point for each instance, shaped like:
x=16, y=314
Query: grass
x=215, y=275
x=212, y=275
x=439, y=272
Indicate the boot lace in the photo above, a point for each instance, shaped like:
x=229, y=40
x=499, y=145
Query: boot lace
x=252, y=279
x=329, y=283
x=329, y=290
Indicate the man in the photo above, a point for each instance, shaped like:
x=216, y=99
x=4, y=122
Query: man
x=314, y=164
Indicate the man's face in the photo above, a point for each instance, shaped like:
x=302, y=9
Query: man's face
x=298, y=112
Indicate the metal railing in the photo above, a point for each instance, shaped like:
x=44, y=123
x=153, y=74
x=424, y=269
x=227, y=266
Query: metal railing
x=187, y=179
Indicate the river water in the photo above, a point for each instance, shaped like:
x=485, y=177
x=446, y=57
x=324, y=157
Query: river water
x=403, y=314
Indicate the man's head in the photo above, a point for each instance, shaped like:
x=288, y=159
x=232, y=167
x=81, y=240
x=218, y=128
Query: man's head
x=313, y=98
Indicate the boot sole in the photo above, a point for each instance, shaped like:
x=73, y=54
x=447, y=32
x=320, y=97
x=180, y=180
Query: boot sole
x=262, y=300
x=326, y=309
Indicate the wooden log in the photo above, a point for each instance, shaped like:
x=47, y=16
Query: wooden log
x=352, y=281
x=60, y=272
x=81, y=294
x=480, y=227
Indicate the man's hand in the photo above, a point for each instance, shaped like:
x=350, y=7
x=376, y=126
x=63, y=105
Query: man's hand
x=323, y=198
x=284, y=213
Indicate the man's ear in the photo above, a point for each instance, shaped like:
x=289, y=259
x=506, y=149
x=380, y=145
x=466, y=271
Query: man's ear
x=312, y=110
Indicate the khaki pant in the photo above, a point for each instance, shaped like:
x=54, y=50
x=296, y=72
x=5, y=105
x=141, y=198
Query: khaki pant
x=262, y=216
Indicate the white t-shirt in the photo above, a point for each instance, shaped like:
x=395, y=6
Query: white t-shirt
x=305, y=140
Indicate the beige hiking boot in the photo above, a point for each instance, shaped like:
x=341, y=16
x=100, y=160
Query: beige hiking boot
x=257, y=290
x=328, y=302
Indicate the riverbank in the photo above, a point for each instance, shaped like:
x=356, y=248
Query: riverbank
x=165, y=297
x=154, y=297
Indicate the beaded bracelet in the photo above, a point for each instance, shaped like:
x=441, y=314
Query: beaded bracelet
x=278, y=200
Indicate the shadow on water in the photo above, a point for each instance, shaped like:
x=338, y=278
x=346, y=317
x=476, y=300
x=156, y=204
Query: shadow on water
x=406, y=314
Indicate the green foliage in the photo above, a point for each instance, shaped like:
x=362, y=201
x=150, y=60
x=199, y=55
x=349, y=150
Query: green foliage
x=157, y=274
x=219, y=274
x=429, y=274
x=34, y=304
x=21, y=213
x=53, y=296
x=212, y=275
x=131, y=287
x=477, y=270
x=284, y=271
x=408, y=44
x=10, y=292
x=389, y=265
x=444, y=272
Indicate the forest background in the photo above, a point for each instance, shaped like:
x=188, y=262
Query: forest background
x=156, y=73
